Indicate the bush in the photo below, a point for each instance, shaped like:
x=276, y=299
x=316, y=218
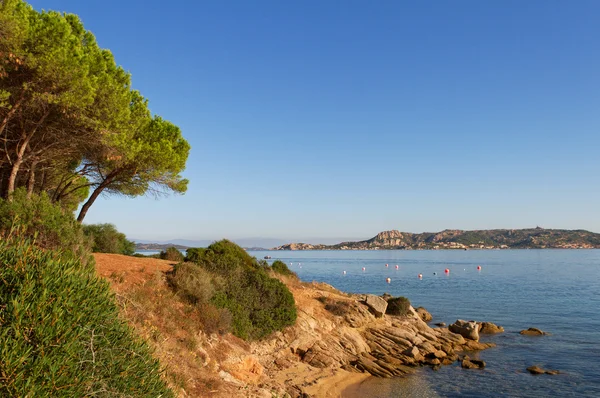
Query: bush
x=106, y=239
x=215, y=320
x=192, y=282
x=172, y=254
x=281, y=268
x=336, y=307
x=39, y=219
x=258, y=303
x=399, y=306
x=193, y=254
x=61, y=333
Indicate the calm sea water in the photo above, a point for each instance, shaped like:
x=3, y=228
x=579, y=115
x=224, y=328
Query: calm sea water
x=557, y=291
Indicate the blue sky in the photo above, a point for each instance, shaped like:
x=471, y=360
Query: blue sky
x=331, y=119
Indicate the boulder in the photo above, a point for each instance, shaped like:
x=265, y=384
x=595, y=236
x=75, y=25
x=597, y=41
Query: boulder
x=467, y=329
x=533, y=332
x=536, y=370
x=424, y=314
x=376, y=304
x=468, y=363
x=490, y=328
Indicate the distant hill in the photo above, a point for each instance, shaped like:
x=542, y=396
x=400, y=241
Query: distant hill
x=157, y=246
x=531, y=238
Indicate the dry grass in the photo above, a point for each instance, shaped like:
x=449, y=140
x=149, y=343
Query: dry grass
x=171, y=325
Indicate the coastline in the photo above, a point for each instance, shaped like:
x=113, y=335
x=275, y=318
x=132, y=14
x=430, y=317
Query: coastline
x=338, y=342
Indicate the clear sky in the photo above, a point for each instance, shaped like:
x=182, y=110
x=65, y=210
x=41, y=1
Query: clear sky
x=340, y=119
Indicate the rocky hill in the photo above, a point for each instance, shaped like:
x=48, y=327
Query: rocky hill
x=531, y=238
x=158, y=246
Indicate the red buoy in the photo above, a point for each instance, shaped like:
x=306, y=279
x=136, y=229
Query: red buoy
x=447, y=271
x=420, y=276
x=396, y=266
x=388, y=280
x=364, y=268
x=387, y=265
x=479, y=268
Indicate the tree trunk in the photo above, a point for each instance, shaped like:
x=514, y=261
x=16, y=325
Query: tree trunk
x=31, y=181
x=86, y=206
x=11, y=112
x=13, y=175
x=20, y=153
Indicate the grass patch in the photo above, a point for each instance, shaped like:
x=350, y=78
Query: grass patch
x=61, y=334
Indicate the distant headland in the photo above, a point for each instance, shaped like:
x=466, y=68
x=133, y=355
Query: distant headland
x=531, y=238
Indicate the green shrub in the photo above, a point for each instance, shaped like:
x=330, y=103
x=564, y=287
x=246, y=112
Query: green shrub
x=193, y=254
x=399, y=306
x=225, y=257
x=281, y=268
x=61, y=333
x=172, y=254
x=106, y=239
x=192, y=282
x=45, y=222
x=258, y=303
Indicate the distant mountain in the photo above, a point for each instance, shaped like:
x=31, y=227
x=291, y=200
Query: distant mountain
x=532, y=238
x=157, y=246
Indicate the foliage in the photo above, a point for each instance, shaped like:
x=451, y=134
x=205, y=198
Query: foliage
x=192, y=282
x=399, y=306
x=258, y=303
x=38, y=218
x=70, y=122
x=194, y=254
x=60, y=331
x=336, y=307
x=281, y=268
x=106, y=239
x=171, y=254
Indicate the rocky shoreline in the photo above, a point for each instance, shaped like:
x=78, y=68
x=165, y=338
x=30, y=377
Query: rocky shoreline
x=338, y=335
x=339, y=340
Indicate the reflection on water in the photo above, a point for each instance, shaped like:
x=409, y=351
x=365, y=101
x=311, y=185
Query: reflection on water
x=409, y=386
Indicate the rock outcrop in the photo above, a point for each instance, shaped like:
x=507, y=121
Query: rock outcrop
x=424, y=314
x=490, y=328
x=376, y=304
x=467, y=329
x=533, y=332
x=362, y=340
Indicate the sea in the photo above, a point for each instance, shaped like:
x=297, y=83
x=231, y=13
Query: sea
x=557, y=291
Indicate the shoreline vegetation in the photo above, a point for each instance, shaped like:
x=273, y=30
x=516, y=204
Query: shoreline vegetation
x=454, y=239
x=338, y=339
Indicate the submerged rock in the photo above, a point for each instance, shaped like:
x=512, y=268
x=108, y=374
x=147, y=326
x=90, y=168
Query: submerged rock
x=490, y=328
x=468, y=363
x=467, y=329
x=536, y=370
x=533, y=332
